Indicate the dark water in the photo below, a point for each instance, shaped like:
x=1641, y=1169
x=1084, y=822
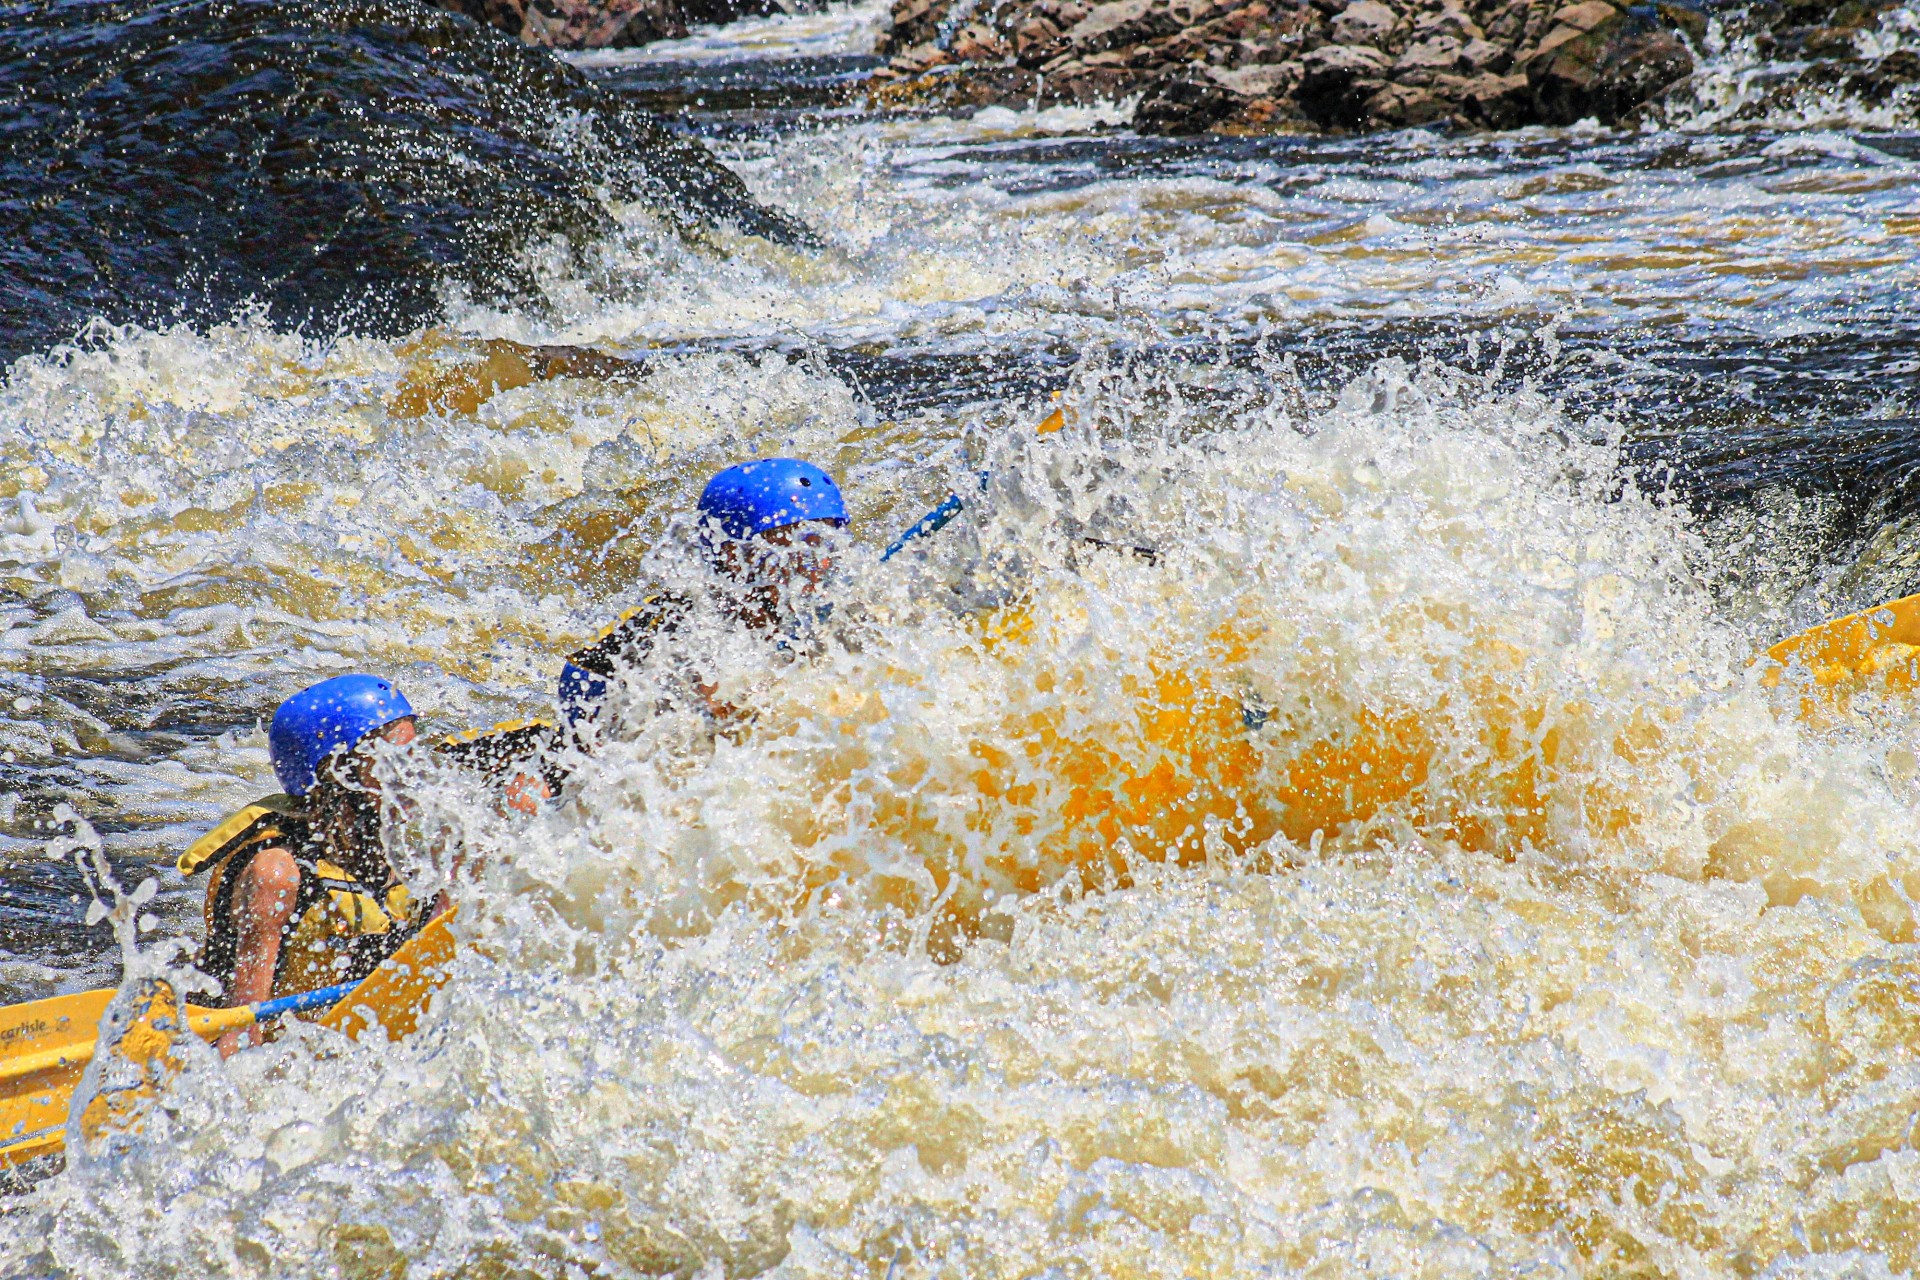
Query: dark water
x=337, y=164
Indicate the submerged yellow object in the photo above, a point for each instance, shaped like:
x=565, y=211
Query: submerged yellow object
x=1875, y=651
x=45, y=1045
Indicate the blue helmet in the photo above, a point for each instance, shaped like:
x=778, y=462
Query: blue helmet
x=754, y=497
x=328, y=717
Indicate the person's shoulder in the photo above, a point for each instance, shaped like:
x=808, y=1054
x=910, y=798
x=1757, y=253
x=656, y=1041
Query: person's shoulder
x=274, y=867
x=632, y=633
x=275, y=819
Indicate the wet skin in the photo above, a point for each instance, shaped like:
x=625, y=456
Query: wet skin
x=264, y=897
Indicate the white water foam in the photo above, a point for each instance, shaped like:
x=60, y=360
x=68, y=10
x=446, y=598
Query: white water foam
x=1623, y=976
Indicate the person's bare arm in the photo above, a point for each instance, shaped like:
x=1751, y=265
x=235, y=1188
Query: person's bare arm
x=526, y=792
x=263, y=899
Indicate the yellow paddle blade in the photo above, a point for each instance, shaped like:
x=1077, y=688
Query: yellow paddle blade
x=393, y=996
x=148, y=1045
x=50, y=1043
x=1055, y=421
x=1876, y=650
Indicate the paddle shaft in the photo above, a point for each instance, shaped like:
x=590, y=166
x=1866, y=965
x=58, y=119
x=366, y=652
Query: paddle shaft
x=942, y=515
x=208, y=1024
x=938, y=518
x=932, y=522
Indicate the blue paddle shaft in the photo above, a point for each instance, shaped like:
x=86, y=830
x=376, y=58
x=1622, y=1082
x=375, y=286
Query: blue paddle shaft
x=932, y=522
x=301, y=1003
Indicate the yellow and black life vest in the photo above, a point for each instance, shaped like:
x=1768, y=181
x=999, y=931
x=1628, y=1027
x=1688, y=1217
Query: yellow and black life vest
x=632, y=635
x=340, y=929
x=514, y=746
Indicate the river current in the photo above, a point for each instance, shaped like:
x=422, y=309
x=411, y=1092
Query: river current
x=1011, y=938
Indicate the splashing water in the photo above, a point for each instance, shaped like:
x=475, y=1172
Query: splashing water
x=1551, y=994
x=1404, y=871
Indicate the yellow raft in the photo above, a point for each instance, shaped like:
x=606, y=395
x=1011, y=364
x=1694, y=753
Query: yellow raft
x=1875, y=651
x=45, y=1045
x=1205, y=760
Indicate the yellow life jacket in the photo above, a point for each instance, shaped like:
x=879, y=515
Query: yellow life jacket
x=340, y=929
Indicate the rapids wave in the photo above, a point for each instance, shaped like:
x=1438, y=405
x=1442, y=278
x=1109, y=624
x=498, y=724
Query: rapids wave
x=333, y=162
x=1013, y=935
x=1617, y=981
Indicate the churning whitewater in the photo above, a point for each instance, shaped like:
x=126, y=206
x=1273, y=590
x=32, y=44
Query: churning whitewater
x=1317, y=813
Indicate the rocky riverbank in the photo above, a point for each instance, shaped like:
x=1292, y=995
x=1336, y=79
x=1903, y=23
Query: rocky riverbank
x=1267, y=66
x=609, y=24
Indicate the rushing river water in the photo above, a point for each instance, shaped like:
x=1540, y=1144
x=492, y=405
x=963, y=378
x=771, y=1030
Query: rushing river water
x=1008, y=939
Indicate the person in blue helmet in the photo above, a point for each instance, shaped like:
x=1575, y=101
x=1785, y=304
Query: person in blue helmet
x=300, y=894
x=765, y=527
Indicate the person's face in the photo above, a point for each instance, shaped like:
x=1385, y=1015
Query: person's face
x=782, y=565
x=800, y=561
x=357, y=769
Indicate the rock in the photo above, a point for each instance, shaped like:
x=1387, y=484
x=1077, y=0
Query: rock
x=1427, y=58
x=915, y=22
x=1684, y=16
x=1445, y=55
x=1804, y=28
x=1121, y=22
x=1181, y=104
x=1403, y=106
x=579, y=24
x=1873, y=84
x=1602, y=65
x=180, y=163
x=1586, y=15
x=1365, y=22
x=919, y=60
x=602, y=24
x=1879, y=82
x=1264, y=116
x=1490, y=101
x=992, y=87
x=1202, y=64
x=1336, y=81
x=1265, y=80
x=1508, y=26
x=1483, y=56
x=978, y=42
x=1078, y=83
x=1455, y=23
x=1332, y=63
x=1254, y=34
x=1038, y=41
x=1827, y=42
x=1121, y=60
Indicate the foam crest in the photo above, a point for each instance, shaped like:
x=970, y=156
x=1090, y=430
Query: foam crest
x=1012, y=934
